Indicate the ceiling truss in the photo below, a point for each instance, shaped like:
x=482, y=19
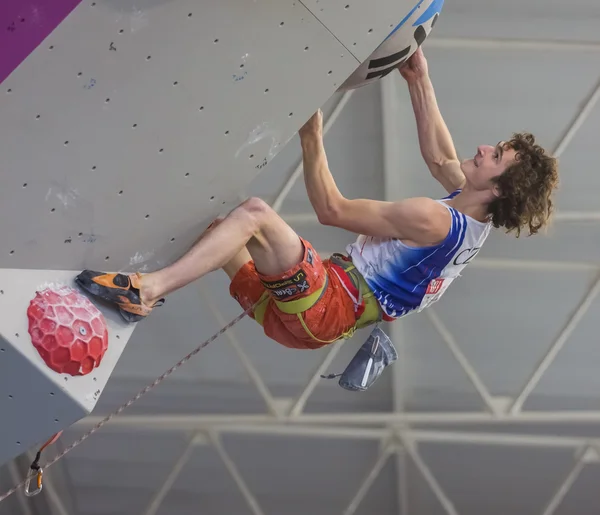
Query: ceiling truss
x=395, y=430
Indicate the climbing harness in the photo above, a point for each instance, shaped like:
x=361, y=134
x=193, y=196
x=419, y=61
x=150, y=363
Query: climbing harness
x=376, y=353
x=36, y=472
x=366, y=306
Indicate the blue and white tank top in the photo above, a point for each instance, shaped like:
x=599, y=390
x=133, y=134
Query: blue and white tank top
x=408, y=279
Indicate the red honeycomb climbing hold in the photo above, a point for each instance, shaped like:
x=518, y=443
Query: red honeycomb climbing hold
x=67, y=330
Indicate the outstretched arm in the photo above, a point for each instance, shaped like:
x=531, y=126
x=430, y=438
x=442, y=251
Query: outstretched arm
x=435, y=140
x=421, y=220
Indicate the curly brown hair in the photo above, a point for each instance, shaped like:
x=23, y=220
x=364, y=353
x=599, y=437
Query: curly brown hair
x=526, y=187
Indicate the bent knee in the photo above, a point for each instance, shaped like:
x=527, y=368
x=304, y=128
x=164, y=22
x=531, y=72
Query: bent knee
x=256, y=212
x=256, y=206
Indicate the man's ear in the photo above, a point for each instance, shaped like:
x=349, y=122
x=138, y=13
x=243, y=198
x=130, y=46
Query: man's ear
x=496, y=191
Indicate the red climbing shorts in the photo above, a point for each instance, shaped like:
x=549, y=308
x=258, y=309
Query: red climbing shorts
x=327, y=319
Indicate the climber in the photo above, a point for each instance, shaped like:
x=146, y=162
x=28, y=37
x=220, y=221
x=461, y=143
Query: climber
x=405, y=256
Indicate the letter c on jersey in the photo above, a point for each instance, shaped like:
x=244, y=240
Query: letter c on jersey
x=466, y=256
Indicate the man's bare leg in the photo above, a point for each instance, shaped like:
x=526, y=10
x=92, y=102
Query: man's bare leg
x=271, y=243
x=232, y=267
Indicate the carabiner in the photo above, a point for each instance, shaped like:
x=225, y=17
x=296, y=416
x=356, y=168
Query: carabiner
x=40, y=486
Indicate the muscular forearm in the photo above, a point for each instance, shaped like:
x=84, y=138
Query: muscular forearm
x=435, y=140
x=322, y=191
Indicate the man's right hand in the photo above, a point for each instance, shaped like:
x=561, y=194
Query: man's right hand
x=415, y=68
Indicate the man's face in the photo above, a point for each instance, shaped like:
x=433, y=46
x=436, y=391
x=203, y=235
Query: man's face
x=489, y=162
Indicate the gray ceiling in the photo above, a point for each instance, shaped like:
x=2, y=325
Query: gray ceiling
x=497, y=68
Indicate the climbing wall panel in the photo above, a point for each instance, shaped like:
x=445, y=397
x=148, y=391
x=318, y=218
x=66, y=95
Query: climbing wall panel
x=125, y=127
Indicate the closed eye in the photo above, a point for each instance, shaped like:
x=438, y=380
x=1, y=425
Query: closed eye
x=499, y=152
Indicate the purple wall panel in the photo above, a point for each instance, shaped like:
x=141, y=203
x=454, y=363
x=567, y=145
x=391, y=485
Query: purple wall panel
x=24, y=24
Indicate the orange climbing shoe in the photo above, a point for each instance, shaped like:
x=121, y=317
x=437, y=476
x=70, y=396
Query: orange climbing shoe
x=118, y=289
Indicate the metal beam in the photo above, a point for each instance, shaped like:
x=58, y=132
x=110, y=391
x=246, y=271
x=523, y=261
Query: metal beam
x=171, y=477
x=533, y=265
x=313, y=381
x=510, y=44
x=235, y=474
x=370, y=478
x=564, y=488
x=555, y=348
x=559, y=216
x=368, y=419
x=391, y=115
x=530, y=441
x=408, y=444
x=323, y=432
x=462, y=360
x=580, y=117
x=520, y=264
x=254, y=375
x=289, y=184
x=577, y=216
